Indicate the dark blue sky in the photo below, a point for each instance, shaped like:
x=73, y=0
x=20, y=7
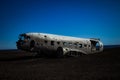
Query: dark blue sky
x=85, y=18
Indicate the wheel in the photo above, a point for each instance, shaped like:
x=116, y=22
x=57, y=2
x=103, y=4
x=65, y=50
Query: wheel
x=60, y=52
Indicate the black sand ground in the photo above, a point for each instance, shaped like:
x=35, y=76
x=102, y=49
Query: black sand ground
x=19, y=65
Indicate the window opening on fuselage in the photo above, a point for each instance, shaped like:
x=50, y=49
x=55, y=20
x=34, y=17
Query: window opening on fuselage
x=75, y=44
x=45, y=36
x=52, y=43
x=70, y=44
x=58, y=43
x=65, y=43
x=80, y=45
x=85, y=45
x=89, y=45
x=46, y=41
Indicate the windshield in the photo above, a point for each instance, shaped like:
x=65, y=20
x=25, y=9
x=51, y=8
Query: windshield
x=23, y=37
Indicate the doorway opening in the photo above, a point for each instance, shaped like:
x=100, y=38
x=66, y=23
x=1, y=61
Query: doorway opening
x=95, y=45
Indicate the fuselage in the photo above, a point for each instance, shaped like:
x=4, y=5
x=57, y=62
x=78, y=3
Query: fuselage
x=68, y=45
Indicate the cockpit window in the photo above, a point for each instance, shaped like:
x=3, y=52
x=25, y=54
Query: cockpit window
x=23, y=37
x=27, y=37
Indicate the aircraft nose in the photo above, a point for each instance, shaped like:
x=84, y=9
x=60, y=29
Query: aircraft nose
x=18, y=44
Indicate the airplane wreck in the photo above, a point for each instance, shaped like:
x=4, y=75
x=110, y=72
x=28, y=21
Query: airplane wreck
x=51, y=44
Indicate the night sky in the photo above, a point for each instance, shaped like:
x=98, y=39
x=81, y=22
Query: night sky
x=85, y=18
